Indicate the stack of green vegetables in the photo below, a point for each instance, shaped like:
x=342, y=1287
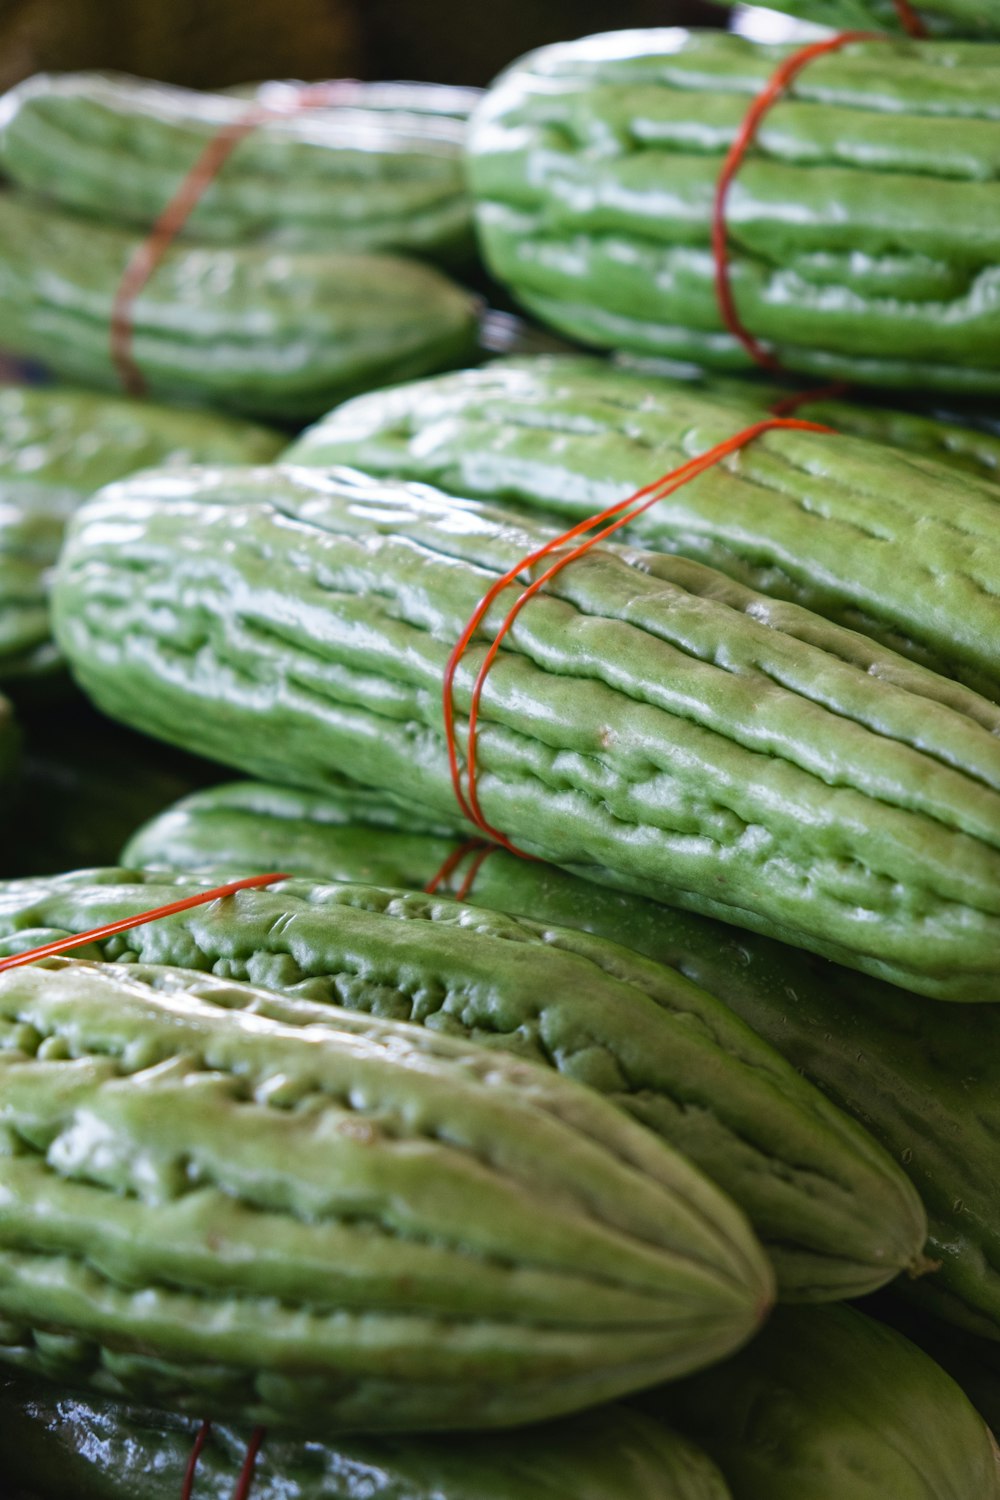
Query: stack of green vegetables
x=429, y=1171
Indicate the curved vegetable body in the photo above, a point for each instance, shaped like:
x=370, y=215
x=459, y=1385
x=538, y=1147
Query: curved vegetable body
x=971, y=18
x=864, y=227
x=269, y=333
x=902, y=550
x=647, y=721
x=97, y=1449
x=837, y=1216
x=58, y=445
x=830, y=1404
x=355, y=1225
x=381, y=170
x=923, y=1084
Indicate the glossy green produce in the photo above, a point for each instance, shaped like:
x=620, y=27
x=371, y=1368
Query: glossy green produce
x=971, y=18
x=58, y=445
x=348, y=1225
x=864, y=229
x=265, y=332
x=96, y=1449
x=829, y=1404
x=837, y=1216
x=922, y=1081
x=381, y=170
x=903, y=550
x=648, y=721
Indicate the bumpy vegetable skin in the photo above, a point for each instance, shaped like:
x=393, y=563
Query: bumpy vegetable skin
x=356, y=1225
x=837, y=1216
x=58, y=445
x=264, y=332
x=922, y=1082
x=864, y=228
x=899, y=549
x=647, y=721
x=831, y=1404
x=380, y=170
x=100, y=1450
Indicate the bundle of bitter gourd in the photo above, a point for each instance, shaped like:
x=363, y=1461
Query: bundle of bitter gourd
x=862, y=229
x=57, y=445
x=896, y=547
x=379, y=168
x=835, y=1213
x=265, y=332
x=99, y=1449
x=648, y=721
x=922, y=1081
x=344, y=1223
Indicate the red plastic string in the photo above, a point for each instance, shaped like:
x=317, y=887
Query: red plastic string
x=768, y=97
x=909, y=20
x=618, y=515
x=149, y=253
x=451, y=864
x=475, y=865
x=242, y=1490
x=192, y=1463
x=76, y=940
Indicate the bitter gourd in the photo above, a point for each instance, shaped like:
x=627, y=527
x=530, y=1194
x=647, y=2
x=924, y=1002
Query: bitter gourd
x=898, y=548
x=266, y=332
x=971, y=18
x=832, y=1405
x=864, y=226
x=355, y=1225
x=923, y=1085
x=647, y=720
x=58, y=445
x=94, y=1449
x=381, y=170
x=836, y=1215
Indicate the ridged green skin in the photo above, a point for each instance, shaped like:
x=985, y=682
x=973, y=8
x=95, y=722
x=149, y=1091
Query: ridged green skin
x=267, y=333
x=93, y=1449
x=973, y=1362
x=837, y=1216
x=963, y=437
x=971, y=18
x=922, y=1082
x=864, y=230
x=903, y=550
x=360, y=177
x=648, y=721
x=349, y=1225
x=58, y=445
x=829, y=1404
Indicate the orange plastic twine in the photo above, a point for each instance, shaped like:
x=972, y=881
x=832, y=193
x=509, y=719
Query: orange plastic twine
x=909, y=20
x=150, y=252
x=242, y=1490
x=617, y=515
x=745, y=137
x=192, y=1463
x=477, y=847
x=76, y=940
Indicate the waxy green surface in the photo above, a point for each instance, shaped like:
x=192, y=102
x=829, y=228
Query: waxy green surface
x=648, y=721
x=381, y=170
x=837, y=1216
x=829, y=1404
x=922, y=1081
x=864, y=226
x=58, y=445
x=99, y=1450
x=269, y=333
x=901, y=548
x=970, y=18
x=351, y=1224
